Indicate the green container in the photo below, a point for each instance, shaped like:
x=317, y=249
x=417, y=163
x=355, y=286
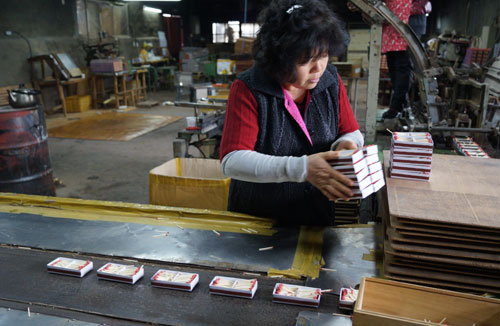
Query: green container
x=210, y=68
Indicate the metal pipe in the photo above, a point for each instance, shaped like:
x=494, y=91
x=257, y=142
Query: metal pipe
x=462, y=129
x=9, y=33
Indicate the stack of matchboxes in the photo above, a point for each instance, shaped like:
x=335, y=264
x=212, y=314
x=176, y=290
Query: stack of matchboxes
x=363, y=167
x=468, y=147
x=411, y=155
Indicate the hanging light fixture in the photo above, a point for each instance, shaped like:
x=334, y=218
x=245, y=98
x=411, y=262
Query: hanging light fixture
x=151, y=9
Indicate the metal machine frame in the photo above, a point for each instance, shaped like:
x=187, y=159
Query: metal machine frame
x=426, y=73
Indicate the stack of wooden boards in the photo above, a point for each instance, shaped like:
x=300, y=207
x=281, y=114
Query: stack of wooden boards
x=347, y=212
x=446, y=232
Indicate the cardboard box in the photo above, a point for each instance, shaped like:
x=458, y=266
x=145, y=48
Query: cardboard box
x=243, y=45
x=189, y=182
x=226, y=67
x=389, y=303
x=106, y=65
x=348, y=69
x=78, y=103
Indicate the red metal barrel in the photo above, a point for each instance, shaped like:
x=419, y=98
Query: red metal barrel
x=24, y=152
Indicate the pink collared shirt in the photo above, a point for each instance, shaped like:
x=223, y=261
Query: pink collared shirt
x=292, y=108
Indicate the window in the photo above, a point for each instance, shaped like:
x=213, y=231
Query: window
x=229, y=32
x=232, y=31
x=218, y=32
x=99, y=20
x=249, y=29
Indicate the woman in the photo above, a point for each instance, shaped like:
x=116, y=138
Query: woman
x=285, y=114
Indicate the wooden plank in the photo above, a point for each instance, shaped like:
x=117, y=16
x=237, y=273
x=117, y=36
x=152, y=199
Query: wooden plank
x=440, y=243
x=448, y=237
x=439, y=284
x=466, y=228
x=483, y=284
x=147, y=104
x=462, y=190
x=445, y=268
x=440, y=259
x=419, y=227
x=457, y=253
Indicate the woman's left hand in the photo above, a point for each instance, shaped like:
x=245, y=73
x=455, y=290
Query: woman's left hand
x=346, y=144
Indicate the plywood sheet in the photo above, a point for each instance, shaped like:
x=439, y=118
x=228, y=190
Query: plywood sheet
x=462, y=190
x=494, y=244
x=440, y=259
x=112, y=126
x=426, y=228
x=460, y=270
x=440, y=283
x=437, y=242
x=466, y=228
x=478, y=282
x=459, y=253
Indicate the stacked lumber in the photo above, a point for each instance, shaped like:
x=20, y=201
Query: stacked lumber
x=347, y=212
x=446, y=232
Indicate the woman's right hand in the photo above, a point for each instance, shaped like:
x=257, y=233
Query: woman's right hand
x=323, y=176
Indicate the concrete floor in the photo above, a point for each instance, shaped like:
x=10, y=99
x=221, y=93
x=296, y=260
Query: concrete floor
x=116, y=170
x=119, y=170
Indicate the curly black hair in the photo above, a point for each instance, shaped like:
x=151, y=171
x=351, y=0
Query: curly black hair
x=293, y=32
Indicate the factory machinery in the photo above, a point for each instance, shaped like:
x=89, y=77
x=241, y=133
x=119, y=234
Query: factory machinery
x=451, y=100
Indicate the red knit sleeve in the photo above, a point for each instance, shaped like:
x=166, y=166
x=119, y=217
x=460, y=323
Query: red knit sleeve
x=347, y=120
x=241, y=124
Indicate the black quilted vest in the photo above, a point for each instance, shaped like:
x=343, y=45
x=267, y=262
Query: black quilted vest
x=279, y=134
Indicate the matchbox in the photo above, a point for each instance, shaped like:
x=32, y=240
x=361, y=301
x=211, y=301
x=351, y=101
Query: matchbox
x=347, y=298
x=412, y=140
x=234, y=287
x=175, y=280
x=411, y=152
x=70, y=266
x=351, y=168
x=411, y=167
x=120, y=273
x=370, y=150
x=296, y=295
x=410, y=175
x=360, y=175
x=345, y=157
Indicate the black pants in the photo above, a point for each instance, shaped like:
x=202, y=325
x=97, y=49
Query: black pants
x=401, y=74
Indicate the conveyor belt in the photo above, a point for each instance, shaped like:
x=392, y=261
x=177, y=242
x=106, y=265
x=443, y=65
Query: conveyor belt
x=25, y=279
x=140, y=241
x=351, y=253
x=15, y=317
x=65, y=230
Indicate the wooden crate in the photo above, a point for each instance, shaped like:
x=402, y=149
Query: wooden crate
x=389, y=303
